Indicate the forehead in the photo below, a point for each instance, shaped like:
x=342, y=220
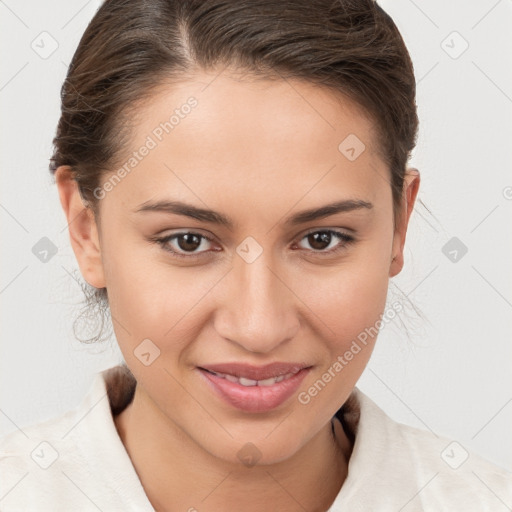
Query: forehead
x=222, y=134
x=279, y=111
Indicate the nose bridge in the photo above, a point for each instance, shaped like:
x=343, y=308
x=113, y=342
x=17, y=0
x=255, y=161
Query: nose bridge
x=257, y=312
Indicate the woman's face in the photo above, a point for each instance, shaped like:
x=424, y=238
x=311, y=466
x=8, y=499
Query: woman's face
x=263, y=289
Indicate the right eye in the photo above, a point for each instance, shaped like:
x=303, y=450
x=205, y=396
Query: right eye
x=183, y=244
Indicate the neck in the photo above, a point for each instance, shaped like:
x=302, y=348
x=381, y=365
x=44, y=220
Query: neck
x=178, y=474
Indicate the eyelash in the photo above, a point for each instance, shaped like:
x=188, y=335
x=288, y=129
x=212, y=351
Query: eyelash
x=343, y=237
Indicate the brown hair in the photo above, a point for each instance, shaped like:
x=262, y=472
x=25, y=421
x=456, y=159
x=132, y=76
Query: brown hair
x=132, y=47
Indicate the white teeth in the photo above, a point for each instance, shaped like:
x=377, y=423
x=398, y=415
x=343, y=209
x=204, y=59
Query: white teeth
x=250, y=382
x=268, y=382
x=247, y=382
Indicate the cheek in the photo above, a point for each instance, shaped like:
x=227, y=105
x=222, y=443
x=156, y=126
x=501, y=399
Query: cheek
x=348, y=305
x=351, y=296
x=347, y=315
x=151, y=299
x=347, y=309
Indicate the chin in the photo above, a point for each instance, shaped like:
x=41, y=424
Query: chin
x=256, y=451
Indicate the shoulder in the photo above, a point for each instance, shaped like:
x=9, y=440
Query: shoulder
x=34, y=461
x=418, y=469
x=60, y=462
x=75, y=461
x=451, y=472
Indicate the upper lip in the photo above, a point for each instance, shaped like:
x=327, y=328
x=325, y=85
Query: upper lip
x=256, y=372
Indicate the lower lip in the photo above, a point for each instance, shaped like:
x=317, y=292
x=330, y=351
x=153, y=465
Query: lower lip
x=255, y=398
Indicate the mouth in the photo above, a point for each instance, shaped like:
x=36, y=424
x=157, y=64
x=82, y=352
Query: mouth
x=243, y=381
x=247, y=372
x=254, y=389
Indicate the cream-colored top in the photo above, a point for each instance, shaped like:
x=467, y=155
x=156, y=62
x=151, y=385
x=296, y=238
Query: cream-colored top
x=78, y=462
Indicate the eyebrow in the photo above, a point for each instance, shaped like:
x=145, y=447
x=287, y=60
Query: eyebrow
x=211, y=216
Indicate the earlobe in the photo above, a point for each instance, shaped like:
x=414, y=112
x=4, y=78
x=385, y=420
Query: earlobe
x=411, y=187
x=83, y=230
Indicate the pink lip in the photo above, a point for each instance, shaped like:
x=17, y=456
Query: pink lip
x=256, y=372
x=254, y=398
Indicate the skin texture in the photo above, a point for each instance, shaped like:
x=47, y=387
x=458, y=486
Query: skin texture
x=256, y=151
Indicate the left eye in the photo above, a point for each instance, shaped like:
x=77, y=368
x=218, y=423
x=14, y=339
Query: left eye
x=321, y=240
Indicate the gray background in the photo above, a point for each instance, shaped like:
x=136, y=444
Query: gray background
x=452, y=375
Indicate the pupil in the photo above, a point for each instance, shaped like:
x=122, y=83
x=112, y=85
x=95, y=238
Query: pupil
x=192, y=242
x=324, y=237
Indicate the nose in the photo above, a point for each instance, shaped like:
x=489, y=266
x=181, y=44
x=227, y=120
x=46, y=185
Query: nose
x=257, y=307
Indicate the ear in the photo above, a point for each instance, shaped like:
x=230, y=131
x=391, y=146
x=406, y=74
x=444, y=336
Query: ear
x=83, y=231
x=410, y=191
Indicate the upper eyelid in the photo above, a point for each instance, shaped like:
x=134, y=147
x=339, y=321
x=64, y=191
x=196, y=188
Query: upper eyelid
x=335, y=230
x=198, y=231
x=211, y=238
